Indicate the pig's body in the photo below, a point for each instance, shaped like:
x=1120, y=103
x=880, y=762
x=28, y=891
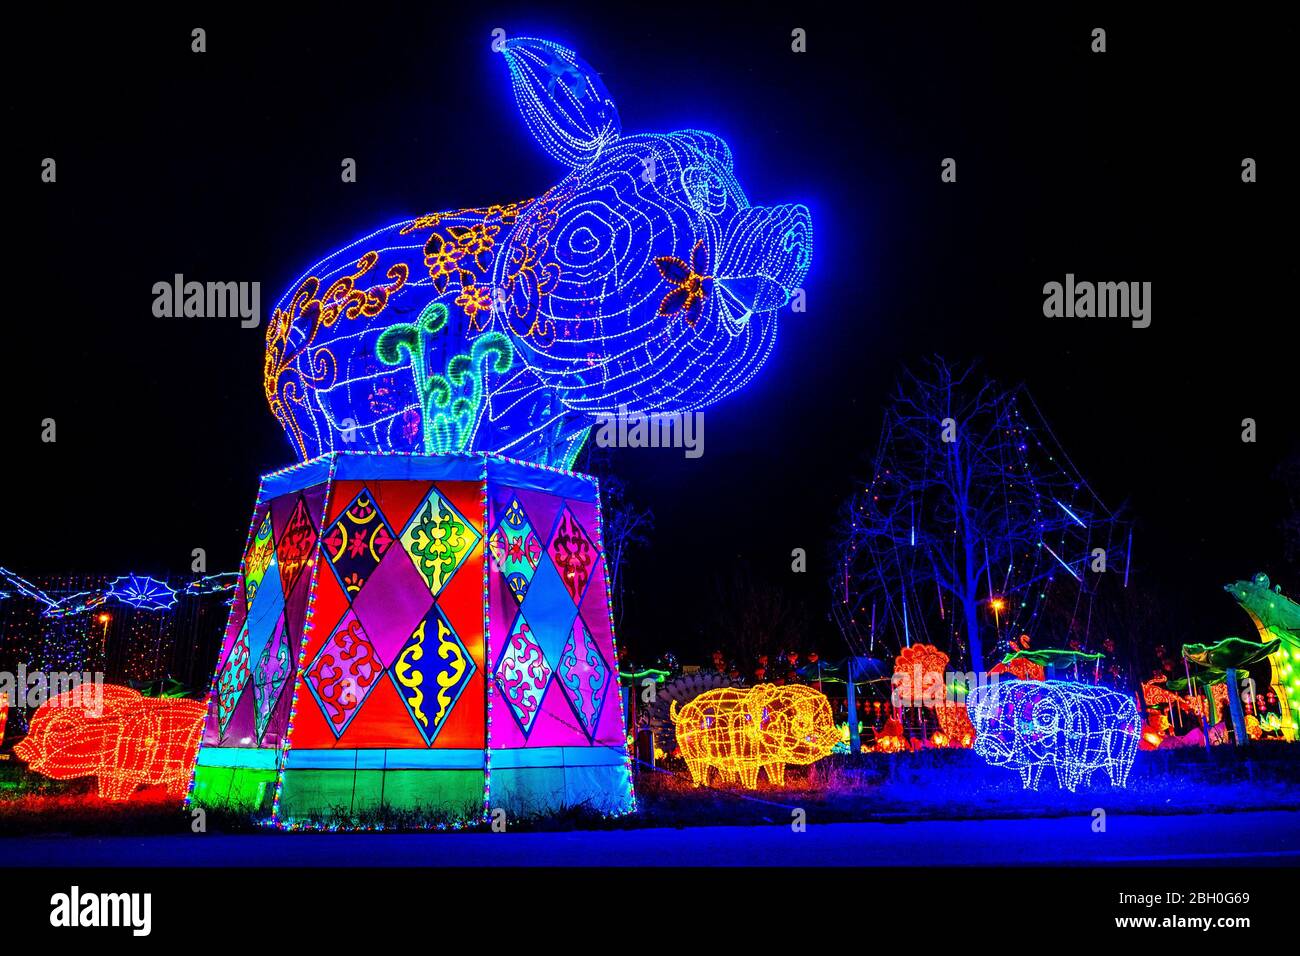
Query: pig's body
x=740, y=730
x=131, y=741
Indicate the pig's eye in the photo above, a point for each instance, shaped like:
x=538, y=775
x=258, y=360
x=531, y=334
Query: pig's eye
x=705, y=190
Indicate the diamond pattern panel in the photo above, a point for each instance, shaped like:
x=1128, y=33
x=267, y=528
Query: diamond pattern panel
x=356, y=542
x=438, y=538
x=523, y=674
x=585, y=676
x=344, y=672
x=295, y=545
x=270, y=675
x=430, y=672
x=260, y=554
x=516, y=549
x=233, y=678
x=573, y=554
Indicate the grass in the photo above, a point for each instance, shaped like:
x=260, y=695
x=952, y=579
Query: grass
x=936, y=784
x=955, y=785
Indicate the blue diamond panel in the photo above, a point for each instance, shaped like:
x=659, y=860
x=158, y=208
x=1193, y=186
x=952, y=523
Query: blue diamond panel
x=516, y=549
x=549, y=610
x=430, y=672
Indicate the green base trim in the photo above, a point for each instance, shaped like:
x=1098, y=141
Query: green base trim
x=242, y=789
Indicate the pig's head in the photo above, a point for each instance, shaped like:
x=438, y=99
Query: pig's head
x=652, y=282
x=992, y=713
x=68, y=732
x=800, y=719
x=1013, y=719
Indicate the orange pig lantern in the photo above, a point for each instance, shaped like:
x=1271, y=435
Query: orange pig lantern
x=126, y=740
x=742, y=730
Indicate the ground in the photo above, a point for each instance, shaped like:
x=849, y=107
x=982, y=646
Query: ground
x=1268, y=838
x=931, y=808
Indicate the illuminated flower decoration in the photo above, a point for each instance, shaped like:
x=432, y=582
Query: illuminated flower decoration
x=1020, y=668
x=691, y=284
x=476, y=241
x=920, y=680
x=442, y=259
x=889, y=738
x=1155, y=693
x=534, y=275
x=474, y=299
x=143, y=592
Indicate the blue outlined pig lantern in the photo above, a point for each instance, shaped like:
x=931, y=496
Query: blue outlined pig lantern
x=1077, y=729
x=643, y=282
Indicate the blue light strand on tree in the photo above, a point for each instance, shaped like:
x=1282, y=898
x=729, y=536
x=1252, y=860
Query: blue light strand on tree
x=971, y=515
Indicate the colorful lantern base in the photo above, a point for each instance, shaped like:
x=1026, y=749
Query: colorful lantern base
x=425, y=634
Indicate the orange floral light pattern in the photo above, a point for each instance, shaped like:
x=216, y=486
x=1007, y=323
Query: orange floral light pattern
x=453, y=252
x=690, y=284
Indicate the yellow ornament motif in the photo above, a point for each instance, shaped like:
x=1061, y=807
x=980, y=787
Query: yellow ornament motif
x=438, y=540
x=450, y=677
x=410, y=677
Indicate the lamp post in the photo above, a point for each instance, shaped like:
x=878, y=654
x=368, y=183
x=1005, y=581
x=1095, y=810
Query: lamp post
x=103, y=618
x=999, y=605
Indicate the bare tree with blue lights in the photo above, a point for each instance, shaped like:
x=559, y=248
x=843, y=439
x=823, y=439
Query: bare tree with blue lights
x=972, y=518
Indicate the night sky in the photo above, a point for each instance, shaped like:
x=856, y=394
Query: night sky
x=224, y=166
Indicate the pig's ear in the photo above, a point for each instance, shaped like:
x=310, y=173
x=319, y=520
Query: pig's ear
x=710, y=144
x=758, y=696
x=562, y=100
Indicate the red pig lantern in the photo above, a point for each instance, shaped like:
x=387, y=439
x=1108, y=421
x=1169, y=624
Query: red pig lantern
x=127, y=741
